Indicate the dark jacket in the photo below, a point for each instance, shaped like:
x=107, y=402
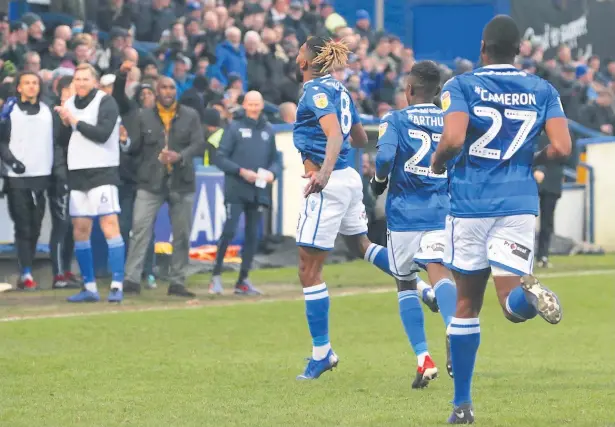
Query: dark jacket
x=553, y=170
x=129, y=112
x=185, y=137
x=247, y=144
x=594, y=116
x=152, y=22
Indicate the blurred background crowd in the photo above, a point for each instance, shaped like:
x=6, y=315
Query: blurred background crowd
x=217, y=50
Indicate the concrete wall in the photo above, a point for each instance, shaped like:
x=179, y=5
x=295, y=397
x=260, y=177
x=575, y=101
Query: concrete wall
x=601, y=156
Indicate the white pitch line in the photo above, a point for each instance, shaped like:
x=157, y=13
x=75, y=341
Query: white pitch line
x=262, y=301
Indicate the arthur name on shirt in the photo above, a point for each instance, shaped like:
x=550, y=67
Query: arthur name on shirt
x=425, y=120
x=506, y=98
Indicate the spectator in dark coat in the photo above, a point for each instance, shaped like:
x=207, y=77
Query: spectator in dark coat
x=116, y=13
x=599, y=115
x=259, y=73
x=154, y=19
x=213, y=33
x=388, y=88
x=569, y=90
x=231, y=57
x=197, y=97
x=550, y=178
x=18, y=44
x=52, y=59
x=36, y=32
x=294, y=20
x=363, y=27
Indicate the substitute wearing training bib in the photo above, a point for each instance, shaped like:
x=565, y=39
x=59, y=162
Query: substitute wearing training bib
x=28, y=136
x=94, y=155
x=92, y=118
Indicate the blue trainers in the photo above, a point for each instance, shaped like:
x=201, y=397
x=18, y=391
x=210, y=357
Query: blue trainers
x=462, y=414
x=245, y=287
x=84, y=296
x=115, y=295
x=315, y=368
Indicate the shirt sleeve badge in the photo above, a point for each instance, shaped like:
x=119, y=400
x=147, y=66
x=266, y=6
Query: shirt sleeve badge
x=445, y=100
x=320, y=100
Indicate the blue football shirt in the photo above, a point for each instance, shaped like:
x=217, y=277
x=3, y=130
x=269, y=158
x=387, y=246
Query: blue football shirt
x=418, y=199
x=323, y=96
x=508, y=109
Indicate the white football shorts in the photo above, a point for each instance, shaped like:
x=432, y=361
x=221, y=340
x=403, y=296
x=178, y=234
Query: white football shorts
x=98, y=201
x=409, y=250
x=475, y=244
x=337, y=209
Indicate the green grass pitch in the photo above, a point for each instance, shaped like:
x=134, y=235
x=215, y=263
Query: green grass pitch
x=233, y=362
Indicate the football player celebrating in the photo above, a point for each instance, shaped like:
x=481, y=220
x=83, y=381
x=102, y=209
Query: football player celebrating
x=326, y=120
x=493, y=117
x=416, y=208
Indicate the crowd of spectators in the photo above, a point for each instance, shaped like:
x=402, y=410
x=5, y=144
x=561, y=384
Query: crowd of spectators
x=218, y=50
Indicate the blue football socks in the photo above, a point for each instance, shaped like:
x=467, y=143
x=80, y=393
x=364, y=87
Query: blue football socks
x=518, y=305
x=26, y=273
x=446, y=295
x=411, y=314
x=465, y=339
x=317, y=313
x=117, y=253
x=83, y=253
x=378, y=256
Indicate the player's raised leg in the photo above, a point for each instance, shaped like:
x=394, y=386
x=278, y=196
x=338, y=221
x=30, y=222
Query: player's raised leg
x=511, y=255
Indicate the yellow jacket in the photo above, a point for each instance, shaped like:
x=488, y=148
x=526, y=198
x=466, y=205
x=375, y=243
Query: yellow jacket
x=214, y=139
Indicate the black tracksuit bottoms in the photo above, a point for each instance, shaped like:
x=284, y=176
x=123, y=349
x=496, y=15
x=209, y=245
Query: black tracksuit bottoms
x=27, y=209
x=252, y=213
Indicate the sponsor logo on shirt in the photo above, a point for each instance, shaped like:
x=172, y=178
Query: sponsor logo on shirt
x=518, y=249
x=445, y=100
x=245, y=132
x=436, y=247
x=320, y=100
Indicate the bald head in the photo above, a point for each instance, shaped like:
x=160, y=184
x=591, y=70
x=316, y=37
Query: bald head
x=253, y=104
x=131, y=54
x=63, y=32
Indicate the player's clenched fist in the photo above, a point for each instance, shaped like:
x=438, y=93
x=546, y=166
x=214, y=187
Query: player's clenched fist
x=378, y=187
x=126, y=66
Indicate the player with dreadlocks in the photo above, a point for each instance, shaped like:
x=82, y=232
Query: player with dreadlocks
x=333, y=194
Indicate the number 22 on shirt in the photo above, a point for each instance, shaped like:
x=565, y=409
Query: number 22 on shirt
x=412, y=165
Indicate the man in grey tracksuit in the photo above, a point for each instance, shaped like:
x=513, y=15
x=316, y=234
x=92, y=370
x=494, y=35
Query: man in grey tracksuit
x=165, y=142
x=248, y=158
